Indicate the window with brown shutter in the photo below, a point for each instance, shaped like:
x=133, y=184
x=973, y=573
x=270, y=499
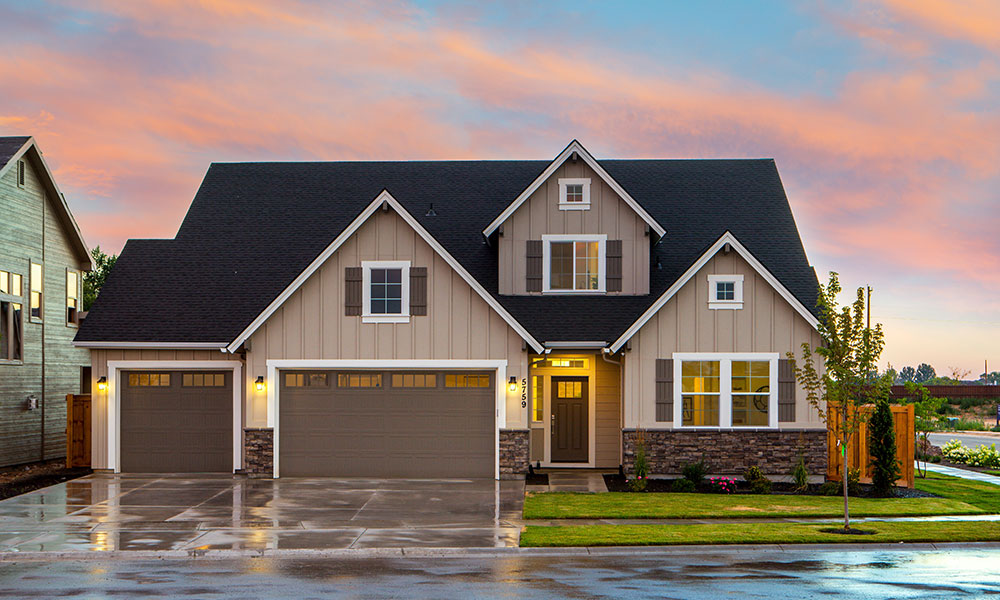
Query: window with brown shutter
x=613, y=257
x=664, y=390
x=533, y=281
x=352, y=291
x=418, y=291
x=786, y=391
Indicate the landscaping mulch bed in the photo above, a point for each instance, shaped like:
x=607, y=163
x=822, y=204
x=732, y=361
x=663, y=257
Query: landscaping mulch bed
x=533, y=478
x=22, y=479
x=617, y=483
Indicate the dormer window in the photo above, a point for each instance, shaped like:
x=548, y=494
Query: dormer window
x=574, y=194
x=573, y=263
x=725, y=292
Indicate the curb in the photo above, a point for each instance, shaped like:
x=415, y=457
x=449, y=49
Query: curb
x=457, y=553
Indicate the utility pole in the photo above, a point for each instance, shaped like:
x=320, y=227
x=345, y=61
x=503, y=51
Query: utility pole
x=868, y=308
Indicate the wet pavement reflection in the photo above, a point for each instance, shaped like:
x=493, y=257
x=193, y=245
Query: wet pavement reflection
x=120, y=512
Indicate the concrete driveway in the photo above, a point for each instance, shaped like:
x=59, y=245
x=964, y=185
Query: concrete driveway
x=199, y=513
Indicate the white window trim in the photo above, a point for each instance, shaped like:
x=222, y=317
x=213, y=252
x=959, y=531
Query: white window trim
x=736, y=303
x=726, y=387
x=602, y=241
x=366, y=295
x=565, y=204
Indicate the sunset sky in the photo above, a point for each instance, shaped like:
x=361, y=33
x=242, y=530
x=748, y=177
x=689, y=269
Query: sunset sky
x=883, y=116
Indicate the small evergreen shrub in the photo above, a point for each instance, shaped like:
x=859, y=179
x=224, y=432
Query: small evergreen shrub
x=800, y=475
x=682, y=486
x=882, y=445
x=830, y=488
x=759, y=483
x=695, y=472
x=638, y=481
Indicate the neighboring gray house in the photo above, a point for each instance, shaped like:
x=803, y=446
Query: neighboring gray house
x=461, y=319
x=42, y=257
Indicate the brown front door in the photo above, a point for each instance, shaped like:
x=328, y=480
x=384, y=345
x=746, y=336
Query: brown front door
x=569, y=420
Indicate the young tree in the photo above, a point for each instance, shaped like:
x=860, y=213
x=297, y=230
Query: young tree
x=958, y=373
x=924, y=372
x=847, y=377
x=882, y=445
x=907, y=374
x=925, y=415
x=94, y=280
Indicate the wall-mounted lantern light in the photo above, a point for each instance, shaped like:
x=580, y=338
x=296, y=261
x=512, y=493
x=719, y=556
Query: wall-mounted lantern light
x=512, y=384
x=102, y=383
x=259, y=384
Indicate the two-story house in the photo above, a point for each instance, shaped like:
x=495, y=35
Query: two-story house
x=460, y=319
x=42, y=257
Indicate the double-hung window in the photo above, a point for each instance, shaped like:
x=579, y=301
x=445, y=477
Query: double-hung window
x=11, y=317
x=386, y=291
x=573, y=263
x=72, y=298
x=726, y=390
x=35, y=301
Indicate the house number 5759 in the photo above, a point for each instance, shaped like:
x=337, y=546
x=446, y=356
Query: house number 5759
x=524, y=392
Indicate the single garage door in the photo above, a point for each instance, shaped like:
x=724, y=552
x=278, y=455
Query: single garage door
x=386, y=424
x=177, y=422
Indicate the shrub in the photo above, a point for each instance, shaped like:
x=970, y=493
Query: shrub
x=980, y=456
x=854, y=481
x=965, y=425
x=830, y=488
x=882, y=445
x=695, y=472
x=800, y=475
x=759, y=483
x=682, y=486
x=641, y=477
x=722, y=485
x=935, y=458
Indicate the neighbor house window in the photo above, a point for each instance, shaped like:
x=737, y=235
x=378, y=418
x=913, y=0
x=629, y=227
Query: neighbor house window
x=725, y=292
x=537, y=398
x=20, y=173
x=386, y=286
x=11, y=317
x=574, y=194
x=573, y=263
x=72, y=298
x=726, y=390
x=35, y=301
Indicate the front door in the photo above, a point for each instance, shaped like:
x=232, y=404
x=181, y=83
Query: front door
x=569, y=420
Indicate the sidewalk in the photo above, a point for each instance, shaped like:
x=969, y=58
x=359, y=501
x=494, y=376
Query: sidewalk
x=963, y=473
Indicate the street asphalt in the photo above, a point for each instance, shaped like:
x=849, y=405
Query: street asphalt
x=761, y=572
x=971, y=438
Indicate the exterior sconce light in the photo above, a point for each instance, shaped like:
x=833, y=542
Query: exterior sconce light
x=512, y=384
x=259, y=384
x=102, y=383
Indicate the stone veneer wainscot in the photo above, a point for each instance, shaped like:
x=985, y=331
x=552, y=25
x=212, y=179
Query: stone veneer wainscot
x=514, y=456
x=258, y=452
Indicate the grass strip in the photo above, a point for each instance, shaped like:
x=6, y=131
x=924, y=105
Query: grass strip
x=757, y=533
x=984, y=496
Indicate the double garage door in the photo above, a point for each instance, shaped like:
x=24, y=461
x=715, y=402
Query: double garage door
x=386, y=424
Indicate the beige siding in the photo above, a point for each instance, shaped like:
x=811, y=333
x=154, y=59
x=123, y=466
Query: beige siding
x=766, y=323
x=99, y=400
x=540, y=215
x=459, y=324
x=607, y=449
x=30, y=231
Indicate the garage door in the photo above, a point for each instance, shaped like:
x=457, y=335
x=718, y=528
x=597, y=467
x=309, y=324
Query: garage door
x=176, y=422
x=386, y=424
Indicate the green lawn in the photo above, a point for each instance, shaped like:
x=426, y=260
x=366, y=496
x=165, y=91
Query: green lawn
x=984, y=496
x=757, y=533
x=623, y=505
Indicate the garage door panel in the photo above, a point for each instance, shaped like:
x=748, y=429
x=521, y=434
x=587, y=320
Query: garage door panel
x=176, y=428
x=386, y=431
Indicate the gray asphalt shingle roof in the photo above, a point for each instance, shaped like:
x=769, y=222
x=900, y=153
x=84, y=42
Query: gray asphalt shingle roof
x=9, y=146
x=253, y=227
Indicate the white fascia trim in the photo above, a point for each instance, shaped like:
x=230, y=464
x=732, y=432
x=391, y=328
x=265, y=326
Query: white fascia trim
x=172, y=345
x=55, y=188
x=726, y=387
x=582, y=345
x=274, y=364
x=114, y=409
x=727, y=238
x=383, y=197
x=602, y=260
x=577, y=147
x=366, y=291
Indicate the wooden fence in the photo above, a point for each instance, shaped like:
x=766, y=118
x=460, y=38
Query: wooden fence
x=78, y=430
x=858, y=455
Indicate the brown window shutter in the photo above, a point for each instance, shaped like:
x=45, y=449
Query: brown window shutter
x=352, y=291
x=613, y=265
x=664, y=390
x=786, y=391
x=534, y=266
x=418, y=291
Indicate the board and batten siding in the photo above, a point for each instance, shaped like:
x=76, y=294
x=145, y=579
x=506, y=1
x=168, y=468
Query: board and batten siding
x=99, y=400
x=31, y=230
x=540, y=215
x=459, y=324
x=766, y=323
x=607, y=409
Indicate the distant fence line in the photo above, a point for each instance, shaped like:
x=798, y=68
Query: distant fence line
x=953, y=391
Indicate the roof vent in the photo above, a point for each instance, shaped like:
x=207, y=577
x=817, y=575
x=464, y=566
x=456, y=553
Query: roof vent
x=430, y=211
x=659, y=265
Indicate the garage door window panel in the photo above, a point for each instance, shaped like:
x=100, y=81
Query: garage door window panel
x=359, y=380
x=149, y=379
x=203, y=380
x=414, y=380
x=458, y=380
x=308, y=380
